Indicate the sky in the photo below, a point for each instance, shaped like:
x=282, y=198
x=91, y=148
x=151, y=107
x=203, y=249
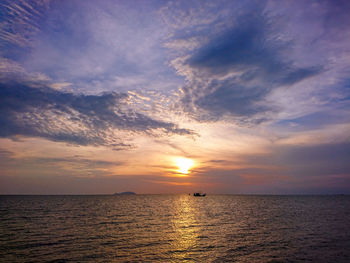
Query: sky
x=226, y=97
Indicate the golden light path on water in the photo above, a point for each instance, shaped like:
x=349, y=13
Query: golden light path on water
x=186, y=227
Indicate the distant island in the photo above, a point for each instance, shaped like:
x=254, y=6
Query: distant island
x=125, y=193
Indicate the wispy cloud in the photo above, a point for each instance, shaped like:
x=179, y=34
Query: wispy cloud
x=74, y=118
x=235, y=70
x=21, y=25
x=264, y=83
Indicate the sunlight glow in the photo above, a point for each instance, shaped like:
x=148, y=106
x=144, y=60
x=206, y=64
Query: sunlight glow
x=184, y=164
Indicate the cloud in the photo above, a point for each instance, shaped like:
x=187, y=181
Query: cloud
x=286, y=169
x=5, y=156
x=54, y=53
x=72, y=160
x=74, y=118
x=304, y=161
x=233, y=72
x=13, y=164
x=21, y=25
x=87, y=44
x=316, y=160
x=73, y=165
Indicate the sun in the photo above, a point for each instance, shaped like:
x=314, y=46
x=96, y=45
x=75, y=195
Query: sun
x=184, y=164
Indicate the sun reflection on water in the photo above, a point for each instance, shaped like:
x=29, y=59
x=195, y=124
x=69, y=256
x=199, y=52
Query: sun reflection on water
x=186, y=227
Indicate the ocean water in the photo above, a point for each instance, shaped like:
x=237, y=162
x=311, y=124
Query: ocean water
x=175, y=228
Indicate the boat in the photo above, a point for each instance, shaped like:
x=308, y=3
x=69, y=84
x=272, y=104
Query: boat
x=199, y=194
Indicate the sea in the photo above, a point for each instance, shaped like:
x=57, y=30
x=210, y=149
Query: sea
x=175, y=228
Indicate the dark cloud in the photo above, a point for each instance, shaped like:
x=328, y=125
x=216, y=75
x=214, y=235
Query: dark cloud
x=317, y=160
x=304, y=161
x=73, y=118
x=6, y=159
x=285, y=169
x=337, y=15
x=5, y=154
x=236, y=69
x=10, y=164
x=229, y=97
x=81, y=162
x=239, y=47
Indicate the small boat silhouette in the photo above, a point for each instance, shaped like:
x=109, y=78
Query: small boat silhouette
x=199, y=194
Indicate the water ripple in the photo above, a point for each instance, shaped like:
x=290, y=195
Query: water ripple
x=174, y=228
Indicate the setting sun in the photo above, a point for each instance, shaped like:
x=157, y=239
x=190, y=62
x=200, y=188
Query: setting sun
x=184, y=164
